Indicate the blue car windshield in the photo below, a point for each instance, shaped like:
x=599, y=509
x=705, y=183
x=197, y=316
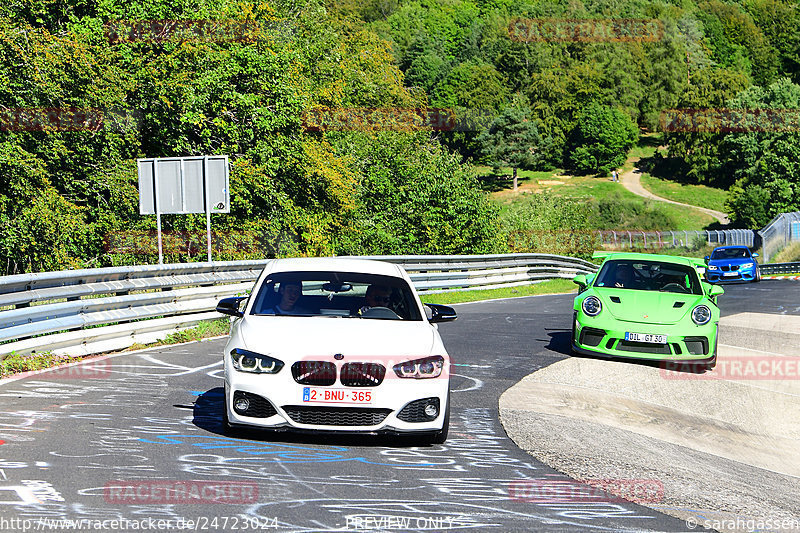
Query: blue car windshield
x=730, y=253
x=649, y=276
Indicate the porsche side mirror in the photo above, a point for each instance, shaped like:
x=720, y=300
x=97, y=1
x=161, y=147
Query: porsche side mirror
x=580, y=281
x=715, y=291
x=441, y=313
x=230, y=306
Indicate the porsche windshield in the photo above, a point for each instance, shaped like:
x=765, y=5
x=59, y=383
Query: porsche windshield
x=649, y=276
x=336, y=294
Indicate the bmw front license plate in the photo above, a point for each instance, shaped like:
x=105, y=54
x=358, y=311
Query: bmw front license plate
x=313, y=395
x=645, y=337
x=730, y=274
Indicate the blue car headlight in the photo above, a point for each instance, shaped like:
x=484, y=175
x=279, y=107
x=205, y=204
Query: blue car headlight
x=747, y=265
x=256, y=363
x=712, y=267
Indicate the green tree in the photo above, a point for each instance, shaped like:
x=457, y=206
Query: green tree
x=512, y=140
x=601, y=140
x=765, y=159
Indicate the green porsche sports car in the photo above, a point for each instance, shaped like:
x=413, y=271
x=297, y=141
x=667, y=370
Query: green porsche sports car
x=647, y=306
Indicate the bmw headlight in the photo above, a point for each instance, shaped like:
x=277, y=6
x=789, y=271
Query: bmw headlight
x=256, y=363
x=701, y=315
x=427, y=367
x=592, y=306
x=713, y=267
x=747, y=265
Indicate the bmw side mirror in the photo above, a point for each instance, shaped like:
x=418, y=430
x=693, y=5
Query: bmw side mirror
x=441, y=313
x=230, y=306
x=707, y=258
x=755, y=255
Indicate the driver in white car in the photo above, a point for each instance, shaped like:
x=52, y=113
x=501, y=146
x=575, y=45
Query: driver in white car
x=376, y=296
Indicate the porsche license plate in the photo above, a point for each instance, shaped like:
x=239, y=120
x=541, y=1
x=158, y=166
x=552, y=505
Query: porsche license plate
x=645, y=337
x=319, y=395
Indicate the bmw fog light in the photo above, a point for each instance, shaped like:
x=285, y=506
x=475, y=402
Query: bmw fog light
x=241, y=405
x=431, y=411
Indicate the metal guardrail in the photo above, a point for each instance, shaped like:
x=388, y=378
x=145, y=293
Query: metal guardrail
x=95, y=310
x=779, y=268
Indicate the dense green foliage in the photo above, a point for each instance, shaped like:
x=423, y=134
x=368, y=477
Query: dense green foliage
x=63, y=193
x=572, y=104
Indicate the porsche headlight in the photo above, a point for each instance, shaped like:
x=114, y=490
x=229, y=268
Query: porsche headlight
x=701, y=315
x=256, y=363
x=592, y=306
x=427, y=367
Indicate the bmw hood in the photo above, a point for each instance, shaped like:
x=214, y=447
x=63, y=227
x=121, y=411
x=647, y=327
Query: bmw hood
x=647, y=307
x=298, y=337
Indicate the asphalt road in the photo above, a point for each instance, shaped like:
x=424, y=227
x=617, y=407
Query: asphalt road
x=79, y=444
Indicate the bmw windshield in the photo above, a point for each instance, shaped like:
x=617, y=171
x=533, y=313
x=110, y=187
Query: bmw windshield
x=336, y=294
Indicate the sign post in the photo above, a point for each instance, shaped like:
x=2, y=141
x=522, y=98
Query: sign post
x=183, y=185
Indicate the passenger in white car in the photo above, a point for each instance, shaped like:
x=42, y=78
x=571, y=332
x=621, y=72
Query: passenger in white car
x=291, y=292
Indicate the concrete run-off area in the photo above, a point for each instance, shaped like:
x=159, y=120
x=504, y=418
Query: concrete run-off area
x=723, y=443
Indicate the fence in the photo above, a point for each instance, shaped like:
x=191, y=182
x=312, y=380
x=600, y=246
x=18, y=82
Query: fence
x=782, y=230
x=97, y=310
x=672, y=239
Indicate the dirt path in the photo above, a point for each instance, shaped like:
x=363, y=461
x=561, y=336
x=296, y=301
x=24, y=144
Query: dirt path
x=631, y=181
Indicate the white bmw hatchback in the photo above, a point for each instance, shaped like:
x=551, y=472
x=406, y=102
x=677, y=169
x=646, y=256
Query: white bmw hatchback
x=336, y=344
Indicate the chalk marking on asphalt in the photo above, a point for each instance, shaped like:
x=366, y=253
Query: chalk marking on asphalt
x=478, y=383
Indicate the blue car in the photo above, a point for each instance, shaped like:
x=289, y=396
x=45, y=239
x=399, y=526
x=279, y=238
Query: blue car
x=732, y=263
